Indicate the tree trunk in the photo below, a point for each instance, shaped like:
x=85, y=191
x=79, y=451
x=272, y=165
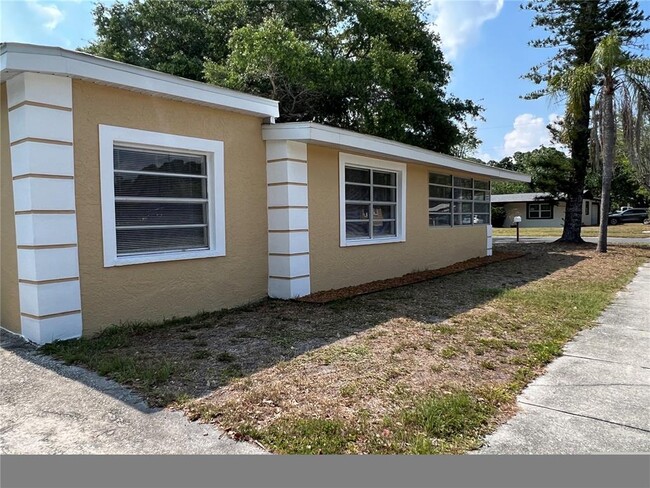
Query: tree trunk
x=609, y=143
x=573, y=216
x=579, y=128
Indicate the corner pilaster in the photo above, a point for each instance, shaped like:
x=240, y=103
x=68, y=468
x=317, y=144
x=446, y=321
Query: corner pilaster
x=288, y=219
x=42, y=162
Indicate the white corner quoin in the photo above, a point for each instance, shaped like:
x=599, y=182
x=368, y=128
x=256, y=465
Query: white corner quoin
x=288, y=217
x=42, y=165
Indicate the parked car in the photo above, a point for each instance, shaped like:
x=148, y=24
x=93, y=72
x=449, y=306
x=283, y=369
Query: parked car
x=629, y=215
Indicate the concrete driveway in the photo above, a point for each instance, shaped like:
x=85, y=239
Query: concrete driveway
x=596, y=397
x=47, y=407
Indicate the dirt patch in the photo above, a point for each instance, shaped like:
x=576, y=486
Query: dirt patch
x=327, y=296
x=350, y=376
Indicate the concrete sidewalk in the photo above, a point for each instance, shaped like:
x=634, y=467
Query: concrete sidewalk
x=596, y=397
x=47, y=407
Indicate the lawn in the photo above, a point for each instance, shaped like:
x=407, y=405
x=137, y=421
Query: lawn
x=625, y=230
x=425, y=368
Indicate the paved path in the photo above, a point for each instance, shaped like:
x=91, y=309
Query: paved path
x=596, y=397
x=47, y=407
x=593, y=240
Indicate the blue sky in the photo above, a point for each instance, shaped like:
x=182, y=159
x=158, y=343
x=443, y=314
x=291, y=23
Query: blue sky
x=485, y=41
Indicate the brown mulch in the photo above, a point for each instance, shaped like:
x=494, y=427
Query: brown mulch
x=327, y=296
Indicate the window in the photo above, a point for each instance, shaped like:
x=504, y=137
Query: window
x=372, y=203
x=587, y=205
x=458, y=201
x=162, y=196
x=540, y=211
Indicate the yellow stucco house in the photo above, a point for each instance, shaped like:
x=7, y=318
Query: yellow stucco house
x=129, y=194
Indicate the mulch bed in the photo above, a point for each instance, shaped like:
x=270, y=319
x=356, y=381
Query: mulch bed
x=327, y=296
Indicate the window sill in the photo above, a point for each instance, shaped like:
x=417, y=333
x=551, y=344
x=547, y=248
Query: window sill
x=370, y=242
x=162, y=257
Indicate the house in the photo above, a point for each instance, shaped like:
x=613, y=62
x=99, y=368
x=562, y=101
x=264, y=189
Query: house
x=128, y=194
x=543, y=210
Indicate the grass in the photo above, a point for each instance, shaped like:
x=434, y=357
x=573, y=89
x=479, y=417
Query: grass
x=424, y=369
x=624, y=230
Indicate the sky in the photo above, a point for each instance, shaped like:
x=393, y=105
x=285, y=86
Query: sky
x=486, y=42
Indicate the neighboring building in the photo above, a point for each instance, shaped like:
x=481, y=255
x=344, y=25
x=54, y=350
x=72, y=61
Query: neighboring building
x=542, y=210
x=128, y=194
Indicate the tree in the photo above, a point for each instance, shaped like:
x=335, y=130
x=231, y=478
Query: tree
x=373, y=66
x=550, y=171
x=624, y=83
x=575, y=28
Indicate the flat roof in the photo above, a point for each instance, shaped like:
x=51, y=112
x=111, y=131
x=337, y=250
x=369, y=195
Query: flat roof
x=519, y=197
x=311, y=132
x=18, y=58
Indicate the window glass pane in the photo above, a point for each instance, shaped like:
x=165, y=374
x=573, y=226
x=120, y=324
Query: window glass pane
x=463, y=194
x=381, y=212
x=354, y=230
x=466, y=219
x=482, y=218
x=483, y=185
x=384, y=194
x=546, y=214
x=159, y=186
x=355, y=192
x=139, y=160
x=481, y=195
x=439, y=191
x=383, y=229
x=439, y=179
x=357, y=212
x=439, y=220
x=384, y=178
x=545, y=207
x=440, y=207
x=357, y=175
x=138, y=213
x=462, y=182
x=462, y=207
x=150, y=240
x=481, y=207
x=456, y=219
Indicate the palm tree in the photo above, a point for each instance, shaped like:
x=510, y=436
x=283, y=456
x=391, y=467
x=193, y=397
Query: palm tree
x=623, y=87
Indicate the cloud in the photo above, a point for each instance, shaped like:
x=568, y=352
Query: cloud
x=529, y=132
x=50, y=14
x=459, y=22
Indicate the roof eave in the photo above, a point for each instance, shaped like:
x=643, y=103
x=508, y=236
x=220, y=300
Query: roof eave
x=17, y=58
x=310, y=132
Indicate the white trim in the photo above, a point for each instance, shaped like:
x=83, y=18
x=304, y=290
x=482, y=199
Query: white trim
x=45, y=192
x=289, y=242
x=40, y=123
x=400, y=169
x=289, y=288
x=17, y=58
x=49, y=329
x=310, y=132
x=214, y=152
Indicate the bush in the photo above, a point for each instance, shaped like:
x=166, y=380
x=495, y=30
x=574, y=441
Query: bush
x=498, y=216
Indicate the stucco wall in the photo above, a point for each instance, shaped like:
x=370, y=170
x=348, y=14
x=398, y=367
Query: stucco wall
x=9, y=305
x=333, y=266
x=520, y=209
x=158, y=290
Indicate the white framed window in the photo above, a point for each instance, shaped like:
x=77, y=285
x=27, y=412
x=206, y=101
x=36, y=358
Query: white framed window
x=456, y=201
x=540, y=211
x=372, y=201
x=162, y=196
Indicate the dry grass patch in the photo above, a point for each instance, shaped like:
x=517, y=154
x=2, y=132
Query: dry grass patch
x=624, y=230
x=425, y=368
